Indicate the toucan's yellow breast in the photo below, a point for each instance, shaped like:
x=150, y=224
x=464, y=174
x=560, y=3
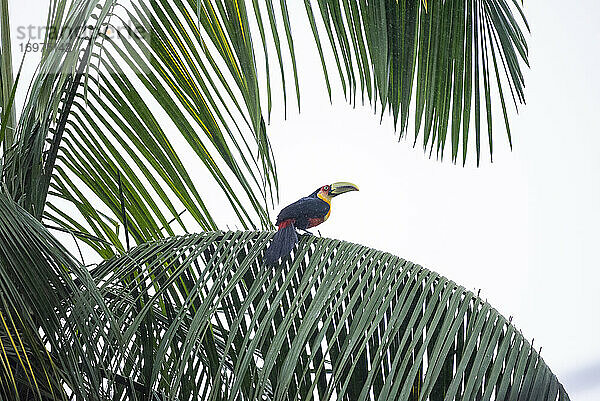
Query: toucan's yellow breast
x=328, y=200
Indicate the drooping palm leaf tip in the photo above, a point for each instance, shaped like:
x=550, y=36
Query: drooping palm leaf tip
x=442, y=60
x=335, y=321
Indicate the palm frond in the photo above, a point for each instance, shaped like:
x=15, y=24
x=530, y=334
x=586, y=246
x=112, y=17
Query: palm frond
x=432, y=59
x=99, y=122
x=23, y=175
x=6, y=78
x=55, y=329
x=205, y=319
x=6, y=117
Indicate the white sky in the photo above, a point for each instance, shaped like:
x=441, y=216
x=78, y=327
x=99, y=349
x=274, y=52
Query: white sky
x=524, y=230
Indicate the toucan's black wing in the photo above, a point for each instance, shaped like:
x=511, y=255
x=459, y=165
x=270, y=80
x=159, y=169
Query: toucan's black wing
x=304, y=209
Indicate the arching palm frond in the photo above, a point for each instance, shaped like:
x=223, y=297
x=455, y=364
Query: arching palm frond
x=202, y=317
x=205, y=319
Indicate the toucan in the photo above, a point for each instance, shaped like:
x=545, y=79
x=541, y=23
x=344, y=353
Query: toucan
x=303, y=214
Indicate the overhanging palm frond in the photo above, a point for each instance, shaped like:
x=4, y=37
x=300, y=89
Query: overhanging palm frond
x=55, y=330
x=435, y=60
x=453, y=52
x=108, y=118
x=204, y=317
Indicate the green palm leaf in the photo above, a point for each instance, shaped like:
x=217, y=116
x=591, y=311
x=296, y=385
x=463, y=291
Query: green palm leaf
x=201, y=317
x=205, y=319
x=6, y=78
x=55, y=329
x=94, y=131
x=444, y=51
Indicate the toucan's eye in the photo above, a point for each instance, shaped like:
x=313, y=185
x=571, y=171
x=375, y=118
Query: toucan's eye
x=326, y=188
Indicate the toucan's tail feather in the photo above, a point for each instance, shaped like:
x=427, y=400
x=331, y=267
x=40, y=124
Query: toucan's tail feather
x=282, y=244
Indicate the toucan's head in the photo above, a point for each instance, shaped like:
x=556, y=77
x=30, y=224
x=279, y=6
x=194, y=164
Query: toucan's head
x=327, y=192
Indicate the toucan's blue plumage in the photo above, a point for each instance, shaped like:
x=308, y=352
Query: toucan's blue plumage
x=303, y=210
x=305, y=213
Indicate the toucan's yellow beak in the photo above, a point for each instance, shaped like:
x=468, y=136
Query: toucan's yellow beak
x=339, y=188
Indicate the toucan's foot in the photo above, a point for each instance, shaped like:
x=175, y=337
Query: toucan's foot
x=306, y=232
